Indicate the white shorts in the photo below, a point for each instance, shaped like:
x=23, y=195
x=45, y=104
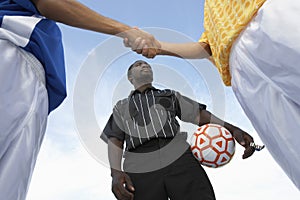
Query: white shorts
x=23, y=118
x=265, y=68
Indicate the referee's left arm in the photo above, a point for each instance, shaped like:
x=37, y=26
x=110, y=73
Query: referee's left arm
x=243, y=138
x=122, y=186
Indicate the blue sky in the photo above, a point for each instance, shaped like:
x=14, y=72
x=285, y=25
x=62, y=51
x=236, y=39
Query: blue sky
x=70, y=164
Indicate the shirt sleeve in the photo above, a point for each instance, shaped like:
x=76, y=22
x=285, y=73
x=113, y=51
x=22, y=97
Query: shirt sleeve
x=187, y=109
x=28, y=5
x=203, y=38
x=114, y=127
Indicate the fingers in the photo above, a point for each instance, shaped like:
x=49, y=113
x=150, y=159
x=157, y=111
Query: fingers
x=251, y=149
x=129, y=184
x=245, y=140
x=126, y=42
x=142, y=43
x=149, y=52
x=248, y=152
x=121, y=193
x=153, y=50
x=122, y=187
x=138, y=45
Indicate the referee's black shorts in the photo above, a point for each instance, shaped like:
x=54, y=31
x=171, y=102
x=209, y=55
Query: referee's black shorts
x=156, y=176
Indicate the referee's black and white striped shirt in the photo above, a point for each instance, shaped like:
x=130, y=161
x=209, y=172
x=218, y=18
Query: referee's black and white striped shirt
x=150, y=114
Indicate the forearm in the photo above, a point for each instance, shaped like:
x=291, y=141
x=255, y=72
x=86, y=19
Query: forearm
x=73, y=13
x=122, y=186
x=115, y=152
x=192, y=50
x=206, y=117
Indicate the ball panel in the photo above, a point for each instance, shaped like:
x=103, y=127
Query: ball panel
x=202, y=141
x=225, y=133
x=194, y=140
x=231, y=147
x=196, y=153
x=213, y=131
x=219, y=143
x=223, y=159
x=209, y=155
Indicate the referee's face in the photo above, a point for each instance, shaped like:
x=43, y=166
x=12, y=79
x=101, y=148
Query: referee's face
x=140, y=74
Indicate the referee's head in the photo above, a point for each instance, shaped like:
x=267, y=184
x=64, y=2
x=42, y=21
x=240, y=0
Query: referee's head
x=140, y=73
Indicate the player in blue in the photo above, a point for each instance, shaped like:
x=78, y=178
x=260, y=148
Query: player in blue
x=32, y=77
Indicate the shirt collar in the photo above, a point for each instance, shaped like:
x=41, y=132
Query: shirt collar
x=133, y=92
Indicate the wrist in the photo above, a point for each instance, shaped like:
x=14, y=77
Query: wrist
x=126, y=32
x=230, y=127
x=115, y=172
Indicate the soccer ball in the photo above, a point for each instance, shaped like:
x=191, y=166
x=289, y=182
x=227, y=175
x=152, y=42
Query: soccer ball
x=212, y=145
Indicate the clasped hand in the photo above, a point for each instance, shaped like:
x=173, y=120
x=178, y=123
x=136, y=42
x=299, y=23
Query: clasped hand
x=122, y=186
x=142, y=42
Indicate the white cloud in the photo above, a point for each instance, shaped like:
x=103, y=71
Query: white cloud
x=74, y=174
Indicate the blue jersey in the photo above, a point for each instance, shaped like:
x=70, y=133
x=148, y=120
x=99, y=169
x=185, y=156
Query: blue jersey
x=21, y=23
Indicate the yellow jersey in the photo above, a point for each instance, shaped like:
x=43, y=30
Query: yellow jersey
x=223, y=22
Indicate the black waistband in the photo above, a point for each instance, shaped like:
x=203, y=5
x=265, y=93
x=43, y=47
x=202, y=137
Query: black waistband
x=158, y=143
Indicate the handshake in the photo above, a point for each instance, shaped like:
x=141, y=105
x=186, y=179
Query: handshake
x=141, y=42
x=144, y=43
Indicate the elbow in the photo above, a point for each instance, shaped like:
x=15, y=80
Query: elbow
x=205, y=50
x=204, y=117
x=52, y=9
x=115, y=142
x=41, y=6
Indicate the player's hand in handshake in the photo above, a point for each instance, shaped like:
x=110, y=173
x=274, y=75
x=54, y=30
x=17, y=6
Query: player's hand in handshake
x=142, y=43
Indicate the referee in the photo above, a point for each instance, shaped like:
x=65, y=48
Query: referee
x=158, y=162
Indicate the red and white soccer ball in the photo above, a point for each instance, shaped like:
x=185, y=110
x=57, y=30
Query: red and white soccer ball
x=213, y=145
